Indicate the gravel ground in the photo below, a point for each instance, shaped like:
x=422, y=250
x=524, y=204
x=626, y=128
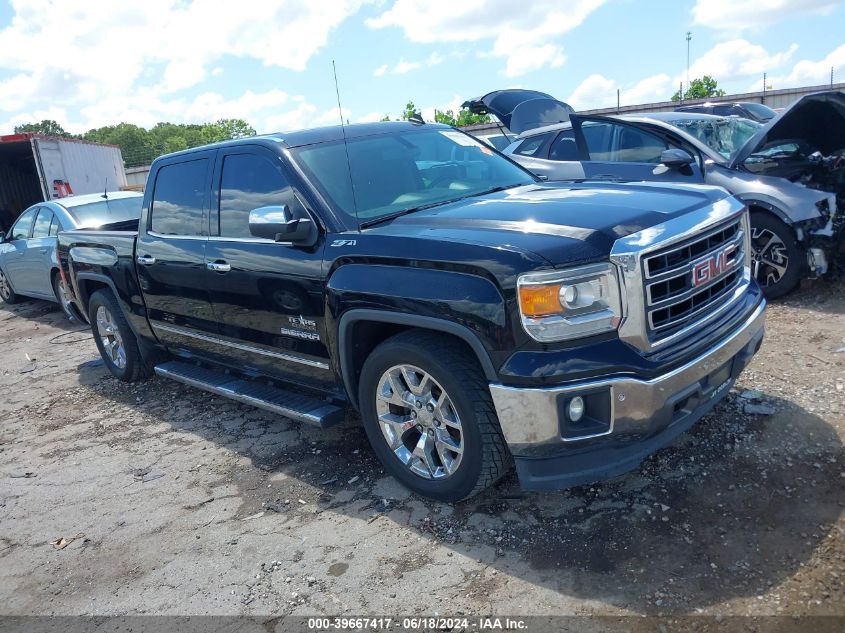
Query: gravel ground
x=171, y=501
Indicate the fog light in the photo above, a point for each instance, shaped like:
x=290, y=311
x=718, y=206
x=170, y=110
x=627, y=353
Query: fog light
x=576, y=408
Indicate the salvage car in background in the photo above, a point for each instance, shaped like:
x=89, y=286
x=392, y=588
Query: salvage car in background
x=745, y=109
x=28, y=265
x=790, y=172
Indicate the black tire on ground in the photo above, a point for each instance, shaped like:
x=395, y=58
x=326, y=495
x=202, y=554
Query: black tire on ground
x=133, y=368
x=764, y=228
x=63, y=304
x=7, y=295
x=485, y=458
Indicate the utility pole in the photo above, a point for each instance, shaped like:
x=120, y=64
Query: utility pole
x=689, y=37
x=763, y=100
x=617, y=101
x=831, y=76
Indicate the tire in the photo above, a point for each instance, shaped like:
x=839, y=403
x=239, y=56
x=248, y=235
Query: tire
x=113, y=334
x=484, y=458
x=773, y=244
x=6, y=293
x=62, y=298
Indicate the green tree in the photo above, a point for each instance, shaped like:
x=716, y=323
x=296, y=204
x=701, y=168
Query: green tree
x=465, y=117
x=47, y=126
x=410, y=110
x=702, y=88
x=233, y=128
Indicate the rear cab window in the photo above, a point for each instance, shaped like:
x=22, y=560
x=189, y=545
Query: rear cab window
x=178, y=199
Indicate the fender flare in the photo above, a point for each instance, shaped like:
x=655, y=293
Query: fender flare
x=412, y=320
x=778, y=213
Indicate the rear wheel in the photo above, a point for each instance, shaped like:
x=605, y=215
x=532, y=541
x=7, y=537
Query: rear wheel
x=777, y=261
x=6, y=293
x=114, y=338
x=428, y=414
x=63, y=297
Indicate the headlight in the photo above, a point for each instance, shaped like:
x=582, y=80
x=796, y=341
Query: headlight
x=565, y=304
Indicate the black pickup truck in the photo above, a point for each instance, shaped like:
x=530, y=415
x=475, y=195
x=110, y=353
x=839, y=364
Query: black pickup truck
x=474, y=315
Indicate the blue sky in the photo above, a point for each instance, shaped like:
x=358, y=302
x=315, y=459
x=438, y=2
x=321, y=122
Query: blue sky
x=96, y=62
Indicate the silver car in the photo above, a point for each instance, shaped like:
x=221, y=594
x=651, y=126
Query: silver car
x=28, y=265
x=790, y=172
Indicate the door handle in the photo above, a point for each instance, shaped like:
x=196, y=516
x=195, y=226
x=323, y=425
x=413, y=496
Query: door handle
x=219, y=266
x=43, y=251
x=146, y=260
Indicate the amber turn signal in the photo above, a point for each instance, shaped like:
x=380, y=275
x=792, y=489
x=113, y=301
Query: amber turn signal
x=540, y=300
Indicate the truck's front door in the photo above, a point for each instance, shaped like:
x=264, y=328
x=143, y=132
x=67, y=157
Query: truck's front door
x=170, y=253
x=628, y=151
x=267, y=296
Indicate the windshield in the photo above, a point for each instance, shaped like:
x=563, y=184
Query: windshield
x=762, y=112
x=725, y=135
x=98, y=213
x=398, y=172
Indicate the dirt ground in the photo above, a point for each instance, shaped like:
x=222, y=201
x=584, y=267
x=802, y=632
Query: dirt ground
x=171, y=501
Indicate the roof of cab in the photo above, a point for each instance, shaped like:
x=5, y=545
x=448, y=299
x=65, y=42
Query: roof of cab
x=299, y=138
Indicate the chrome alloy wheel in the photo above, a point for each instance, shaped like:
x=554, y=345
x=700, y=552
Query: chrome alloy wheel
x=5, y=288
x=419, y=422
x=769, y=257
x=110, y=337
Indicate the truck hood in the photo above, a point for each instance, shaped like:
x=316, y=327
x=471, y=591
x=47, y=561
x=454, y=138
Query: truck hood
x=562, y=223
x=521, y=110
x=816, y=121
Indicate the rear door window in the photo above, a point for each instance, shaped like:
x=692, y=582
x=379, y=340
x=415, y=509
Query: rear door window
x=178, y=199
x=42, y=223
x=248, y=181
x=530, y=146
x=21, y=229
x=564, y=147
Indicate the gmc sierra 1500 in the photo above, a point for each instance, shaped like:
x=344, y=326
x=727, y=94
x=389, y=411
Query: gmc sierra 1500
x=474, y=315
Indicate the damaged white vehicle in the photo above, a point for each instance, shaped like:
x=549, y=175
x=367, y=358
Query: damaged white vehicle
x=790, y=172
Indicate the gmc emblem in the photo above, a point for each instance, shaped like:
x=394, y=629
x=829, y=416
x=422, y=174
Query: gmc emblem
x=706, y=270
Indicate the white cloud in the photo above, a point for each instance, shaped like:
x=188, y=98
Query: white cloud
x=404, y=66
x=105, y=59
x=371, y=117
x=524, y=38
x=736, y=59
x=812, y=72
x=530, y=58
x=732, y=15
x=597, y=91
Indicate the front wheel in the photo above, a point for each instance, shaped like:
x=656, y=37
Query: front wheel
x=777, y=261
x=114, y=337
x=428, y=414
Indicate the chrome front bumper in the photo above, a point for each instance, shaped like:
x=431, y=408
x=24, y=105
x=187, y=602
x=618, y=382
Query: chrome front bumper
x=533, y=419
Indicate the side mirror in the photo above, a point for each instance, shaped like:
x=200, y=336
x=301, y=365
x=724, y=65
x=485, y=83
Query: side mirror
x=277, y=223
x=2, y=236
x=676, y=158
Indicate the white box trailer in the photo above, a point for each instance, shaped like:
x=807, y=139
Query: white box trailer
x=35, y=168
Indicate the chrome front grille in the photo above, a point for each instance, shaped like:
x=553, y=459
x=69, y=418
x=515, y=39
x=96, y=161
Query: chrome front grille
x=686, y=281
x=680, y=276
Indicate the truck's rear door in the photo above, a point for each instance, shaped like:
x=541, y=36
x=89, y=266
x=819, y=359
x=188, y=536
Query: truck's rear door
x=267, y=296
x=170, y=252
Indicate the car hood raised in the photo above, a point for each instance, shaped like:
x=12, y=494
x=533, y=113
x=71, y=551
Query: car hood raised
x=817, y=119
x=563, y=223
x=521, y=110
